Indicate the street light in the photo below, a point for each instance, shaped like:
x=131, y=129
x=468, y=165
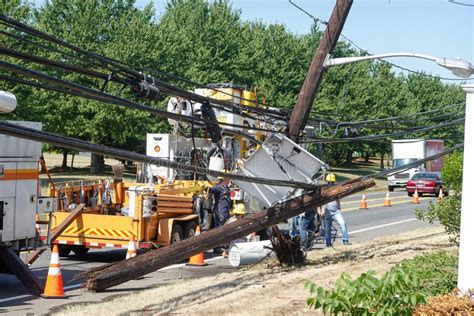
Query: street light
x=457, y=66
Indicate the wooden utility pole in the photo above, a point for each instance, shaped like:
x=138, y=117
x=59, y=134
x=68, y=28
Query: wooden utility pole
x=300, y=114
x=116, y=273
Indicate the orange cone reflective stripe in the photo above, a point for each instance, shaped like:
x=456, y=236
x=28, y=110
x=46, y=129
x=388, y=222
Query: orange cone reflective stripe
x=198, y=259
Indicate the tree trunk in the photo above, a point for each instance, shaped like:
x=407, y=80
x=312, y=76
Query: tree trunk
x=349, y=157
x=382, y=155
x=64, y=164
x=97, y=163
x=72, y=160
x=367, y=156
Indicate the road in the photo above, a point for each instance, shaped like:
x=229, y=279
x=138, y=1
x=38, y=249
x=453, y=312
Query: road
x=363, y=225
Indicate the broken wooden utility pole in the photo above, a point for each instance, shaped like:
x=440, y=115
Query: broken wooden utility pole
x=300, y=113
x=116, y=273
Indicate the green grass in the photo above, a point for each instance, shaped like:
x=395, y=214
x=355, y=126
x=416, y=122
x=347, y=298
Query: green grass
x=359, y=168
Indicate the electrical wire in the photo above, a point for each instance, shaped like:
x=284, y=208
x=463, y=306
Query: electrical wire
x=124, y=68
x=67, y=86
x=76, y=144
x=461, y=3
x=414, y=164
x=376, y=137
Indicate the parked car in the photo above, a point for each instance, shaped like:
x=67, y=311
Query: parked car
x=425, y=183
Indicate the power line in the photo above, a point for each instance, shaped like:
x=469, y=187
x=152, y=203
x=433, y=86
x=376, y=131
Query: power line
x=76, y=144
x=461, y=3
x=124, y=68
x=413, y=164
x=66, y=87
x=376, y=137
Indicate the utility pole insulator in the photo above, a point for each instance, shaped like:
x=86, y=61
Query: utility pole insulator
x=300, y=113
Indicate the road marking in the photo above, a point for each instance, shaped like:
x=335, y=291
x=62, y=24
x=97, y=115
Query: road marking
x=15, y=298
x=76, y=286
x=381, y=226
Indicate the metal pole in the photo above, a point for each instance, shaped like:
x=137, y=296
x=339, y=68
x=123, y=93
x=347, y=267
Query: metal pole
x=300, y=114
x=466, y=255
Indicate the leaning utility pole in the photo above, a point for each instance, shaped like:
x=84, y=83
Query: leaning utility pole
x=300, y=113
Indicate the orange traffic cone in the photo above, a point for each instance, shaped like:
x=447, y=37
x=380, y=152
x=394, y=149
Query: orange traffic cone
x=440, y=196
x=197, y=260
x=363, y=203
x=387, y=202
x=416, y=198
x=54, y=283
x=132, y=249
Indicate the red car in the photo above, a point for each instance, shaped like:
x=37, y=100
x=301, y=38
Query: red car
x=425, y=183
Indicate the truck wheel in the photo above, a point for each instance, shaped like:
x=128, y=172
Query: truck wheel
x=176, y=234
x=390, y=188
x=80, y=250
x=189, y=230
x=64, y=250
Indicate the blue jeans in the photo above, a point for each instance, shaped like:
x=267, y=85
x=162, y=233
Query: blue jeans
x=305, y=223
x=334, y=217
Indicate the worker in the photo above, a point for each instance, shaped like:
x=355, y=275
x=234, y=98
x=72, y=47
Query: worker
x=238, y=210
x=222, y=201
x=303, y=224
x=332, y=213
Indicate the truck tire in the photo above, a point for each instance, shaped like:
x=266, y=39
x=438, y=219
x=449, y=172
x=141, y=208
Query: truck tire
x=64, y=250
x=189, y=230
x=176, y=234
x=390, y=188
x=80, y=250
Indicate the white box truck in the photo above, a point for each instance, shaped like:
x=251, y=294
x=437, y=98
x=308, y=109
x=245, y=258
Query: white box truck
x=406, y=151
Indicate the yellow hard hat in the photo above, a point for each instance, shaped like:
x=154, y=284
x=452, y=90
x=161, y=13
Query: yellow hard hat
x=239, y=209
x=331, y=177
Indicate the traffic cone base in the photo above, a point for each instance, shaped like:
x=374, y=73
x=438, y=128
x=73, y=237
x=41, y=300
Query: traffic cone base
x=197, y=260
x=54, y=283
x=363, y=203
x=416, y=198
x=440, y=196
x=132, y=249
x=387, y=202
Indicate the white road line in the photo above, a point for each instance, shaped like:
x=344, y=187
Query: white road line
x=76, y=286
x=380, y=226
x=15, y=298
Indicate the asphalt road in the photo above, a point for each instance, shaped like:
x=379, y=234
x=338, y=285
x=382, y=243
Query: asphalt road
x=363, y=225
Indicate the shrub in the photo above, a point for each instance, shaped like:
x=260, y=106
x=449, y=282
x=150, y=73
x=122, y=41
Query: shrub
x=397, y=292
x=436, y=271
x=449, y=212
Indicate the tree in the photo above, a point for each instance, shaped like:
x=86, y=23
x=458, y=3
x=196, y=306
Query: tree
x=116, y=29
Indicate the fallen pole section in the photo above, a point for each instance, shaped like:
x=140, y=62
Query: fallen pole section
x=104, y=277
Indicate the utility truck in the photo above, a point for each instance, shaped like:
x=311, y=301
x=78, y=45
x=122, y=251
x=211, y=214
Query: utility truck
x=406, y=151
x=20, y=199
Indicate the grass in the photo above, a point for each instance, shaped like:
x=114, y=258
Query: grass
x=360, y=168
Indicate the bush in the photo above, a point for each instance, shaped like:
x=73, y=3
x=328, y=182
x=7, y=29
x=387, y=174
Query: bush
x=397, y=292
x=436, y=271
x=448, y=213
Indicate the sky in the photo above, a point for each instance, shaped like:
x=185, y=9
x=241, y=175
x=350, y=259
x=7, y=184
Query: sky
x=434, y=27
x=438, y=28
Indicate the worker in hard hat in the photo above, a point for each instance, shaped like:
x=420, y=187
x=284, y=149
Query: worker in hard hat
x=238, y=211
x=222, y=201
x=332, y=213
